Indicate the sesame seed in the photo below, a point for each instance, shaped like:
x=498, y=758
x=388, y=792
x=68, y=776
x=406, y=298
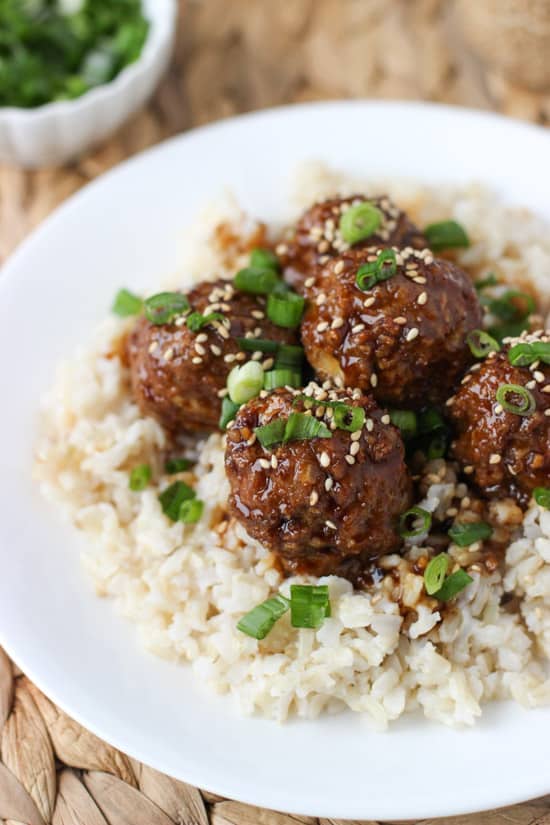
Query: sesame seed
x=268, y=363
x=251, y=440
x=422, y=298
x=223, y=331
x=168, y=354
x=339, y=267
x=358, y=328
x=369, y=425
x=350, y=459
x=385, y=419
x=450, y=401
x=374, y=380
x=314, y=498
x=494, y=458
x=419, y=280
x=356, y=435
x=499, y=409
x=546, y=388
x=229, y=358
x=547, y=412
x=324, y=459
x=309, y=282
x=320, y=299
x=412, y=334
x=200, y=349
x=354, y=448
x=451, y=512
x=258, y=314
x=539, y=377
x=223, y=393
x=196, y=360
x=400, y=320
x=468, y=469
x=281, y=249
x=257, y=356
x=330, y=524
x=337, y=323
x=264, y=463
x=322, y=326
x=274, y=462
x=339, y=381
x=329, y=484
x=531, y=385
x=323, y=246
x=153, y=346
x=368, y=302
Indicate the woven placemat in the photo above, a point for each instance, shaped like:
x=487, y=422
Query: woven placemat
x=230, y=57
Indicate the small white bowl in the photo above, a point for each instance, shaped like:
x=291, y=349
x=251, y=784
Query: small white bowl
x=58, y=132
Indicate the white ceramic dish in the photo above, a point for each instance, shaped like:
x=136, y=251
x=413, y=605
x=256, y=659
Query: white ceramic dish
x=125, y=229
x=58, y=132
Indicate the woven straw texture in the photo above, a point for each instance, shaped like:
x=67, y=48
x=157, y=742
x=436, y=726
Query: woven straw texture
x=229, y=58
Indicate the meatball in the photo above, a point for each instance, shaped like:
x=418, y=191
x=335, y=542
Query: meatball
x=319, y=504
x=502, y=452
x=403, y=338
x=179, y=376
x=317, y=236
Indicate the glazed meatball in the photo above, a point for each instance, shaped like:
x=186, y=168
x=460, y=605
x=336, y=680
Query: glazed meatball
x=403, y=338
x=502, y=452
x=319, y=504
x=179, y=376
x=317, y=236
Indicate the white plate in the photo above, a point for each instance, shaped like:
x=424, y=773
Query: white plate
x=125, y=229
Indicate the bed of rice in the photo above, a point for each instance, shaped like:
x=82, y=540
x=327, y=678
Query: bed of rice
x=186, y=587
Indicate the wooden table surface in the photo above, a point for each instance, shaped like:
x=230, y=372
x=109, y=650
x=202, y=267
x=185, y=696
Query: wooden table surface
x=231, y=56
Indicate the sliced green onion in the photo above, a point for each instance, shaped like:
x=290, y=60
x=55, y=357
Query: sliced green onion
x=165, y=306
x=466, y=534
x=446, y=235
x=285, y=310
x=197, y=320
x=140, y=477
x=126, y=304
x=508, y=329
x=430, y=420
x=412, y=515
x=261, y=619
x=270, y=434
x=243, y=383
x=173, y=497
x=527, y=404
x=346, y=416
x=434, y=574
x=452, y=585
x=406, y=421
x=542, y=497
x=309, y=605
x=360, y=222
x=177, y=465
x=490, y=280
x=264, y=259
x=521, y=355
x=384, y=267
x=300, y=426
x=289, y=356
x=282, y=378
x=191, y=511
x=506, y=306
x=258, y=345
x=257, y=280
x=481, y=343
x=229, y=411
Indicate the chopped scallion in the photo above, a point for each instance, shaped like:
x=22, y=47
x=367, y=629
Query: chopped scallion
x=264, y=259
x=453, y=585
x=229, y=411
x=282, y=378
x=258, y=345
x=309, y=605
x=406, y=421
x=243, y=383
x=177, y=465
x=260, y=620
x=526, y=404
x=412, y=517
x=490, y=280
x=542, y=497
x=374, y=272
x=466, y=534
x=446, y=235
x=165, y=306
x=434, y=574
x=481, y=343
x=289, y=356
x=522, y=355
x=173, y=497
x=360, y=222
x=140, y=477
x=270, y=434
x=346, y=416
x=191, y=510
x=300, y=426
x=285, y=310
x=126, y=304
x=196, y=320
x=256, y=280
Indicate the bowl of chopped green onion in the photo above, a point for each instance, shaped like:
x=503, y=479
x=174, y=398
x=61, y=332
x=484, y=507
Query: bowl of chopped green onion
x=72, y=71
